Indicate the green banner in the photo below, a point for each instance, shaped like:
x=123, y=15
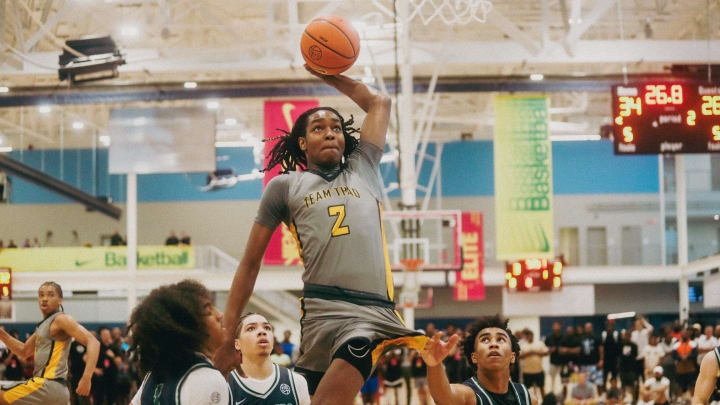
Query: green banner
x=523, y=178
x=96, y=258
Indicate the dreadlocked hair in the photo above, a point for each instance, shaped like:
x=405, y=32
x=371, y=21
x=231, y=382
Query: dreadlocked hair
x=287, y=152
x=483, y=323
x=168, y=327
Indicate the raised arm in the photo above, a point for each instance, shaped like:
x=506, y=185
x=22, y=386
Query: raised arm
x=706, y=380
x=375, y=104
x=442, y=392
x=22, y=350
x=240, y=291
x=73, y=329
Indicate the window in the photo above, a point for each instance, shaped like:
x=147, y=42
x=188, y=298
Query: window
x=597, y=246
x=568, y=246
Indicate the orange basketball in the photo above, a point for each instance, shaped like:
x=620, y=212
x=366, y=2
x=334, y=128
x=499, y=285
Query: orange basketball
x=330, y=45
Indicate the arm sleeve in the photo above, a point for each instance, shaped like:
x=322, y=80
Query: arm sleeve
x=365, y=160
x=205, y=386
x=273, y=205
x=301, y=386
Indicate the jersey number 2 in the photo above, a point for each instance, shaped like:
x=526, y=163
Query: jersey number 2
x=338, y=228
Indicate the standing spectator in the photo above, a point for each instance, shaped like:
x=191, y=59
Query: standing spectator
x=430, y=329
x=116, y=239
x=184, y=239
x=706, y=343
x=36, y=242
x=11, y=244
x=570, y=350
x=531, y=354
x=717, y=331
x=627, y=364
x=611, y=351
x=369, y=390
x=172, y=240
x=685, y=354
x=1, y=244
x=653, y=355
x=393, y=373
x=454, y=364
x=419, y=375
x=4, y=187
x=13, y=365
x=641, y=336
x=553, y=343
x=286, y=344
x=591, y=351
x=105, y=382
x=584, y=392
x=76, y=358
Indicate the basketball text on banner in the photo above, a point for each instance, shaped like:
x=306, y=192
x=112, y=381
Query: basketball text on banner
x=281, y=115
x=523, y=178
x=469, y=284
x=96, y=258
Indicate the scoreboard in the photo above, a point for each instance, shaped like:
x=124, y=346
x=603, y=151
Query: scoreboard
x=5, y=283
x=533, y=275
x=656, y=117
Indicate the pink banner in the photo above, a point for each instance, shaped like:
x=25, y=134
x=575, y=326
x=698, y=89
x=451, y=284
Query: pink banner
x=282, y=249
x=469, y=284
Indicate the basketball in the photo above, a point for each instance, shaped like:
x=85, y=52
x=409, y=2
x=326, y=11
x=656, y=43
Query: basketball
x=330, y=45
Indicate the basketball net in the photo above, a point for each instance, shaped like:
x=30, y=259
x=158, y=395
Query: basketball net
x=450, y=12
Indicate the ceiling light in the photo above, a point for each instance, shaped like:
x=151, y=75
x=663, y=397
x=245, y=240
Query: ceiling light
x=4, y=89
x=44, y=109
x=190, y=85
x=212, y=105
x=537, y=76
x=716, y=217
x=104, y=139
x=621, y=315
x=129, y=31
x=78, y=125
x=139, y=121
x=230, y=121
x=5, y=149
x=588, y=137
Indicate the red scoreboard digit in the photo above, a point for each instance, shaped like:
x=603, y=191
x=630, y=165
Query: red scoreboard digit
x=666, y=117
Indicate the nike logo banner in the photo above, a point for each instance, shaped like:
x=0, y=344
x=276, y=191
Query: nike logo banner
x=523, y=178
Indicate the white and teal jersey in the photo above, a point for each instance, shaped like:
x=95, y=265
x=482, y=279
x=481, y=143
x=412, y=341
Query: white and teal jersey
x=282, y=387
x=337, y=221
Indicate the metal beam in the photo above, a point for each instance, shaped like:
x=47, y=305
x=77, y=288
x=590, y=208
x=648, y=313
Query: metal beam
x=304, y=88
x=510, y=29
x=49, y=25
x=581, y=24
x=17, y=168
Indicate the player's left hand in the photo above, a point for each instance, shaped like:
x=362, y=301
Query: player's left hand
x=84, y=387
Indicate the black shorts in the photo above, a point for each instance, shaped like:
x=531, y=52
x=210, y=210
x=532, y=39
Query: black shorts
x=536, y=379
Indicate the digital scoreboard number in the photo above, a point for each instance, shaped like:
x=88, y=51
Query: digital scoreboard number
x=666, y=117
x=533, y=275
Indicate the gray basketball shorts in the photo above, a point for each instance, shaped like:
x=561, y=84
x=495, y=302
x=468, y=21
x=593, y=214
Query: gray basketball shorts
x=36, y=391
x=327, y=325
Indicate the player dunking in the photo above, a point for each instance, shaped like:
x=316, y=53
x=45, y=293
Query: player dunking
x=263, y=382
x=174, y=329
x=51, y=346
x=334, y=209
x=490, y=348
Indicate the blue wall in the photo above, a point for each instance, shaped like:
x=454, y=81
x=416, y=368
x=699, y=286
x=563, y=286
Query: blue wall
x=467, y=170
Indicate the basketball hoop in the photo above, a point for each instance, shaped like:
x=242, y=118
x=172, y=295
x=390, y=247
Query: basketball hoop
x=450, y=12
x=412, y=264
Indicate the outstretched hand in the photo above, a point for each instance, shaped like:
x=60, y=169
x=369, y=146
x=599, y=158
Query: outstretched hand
x=436, y=350
x=226, y=358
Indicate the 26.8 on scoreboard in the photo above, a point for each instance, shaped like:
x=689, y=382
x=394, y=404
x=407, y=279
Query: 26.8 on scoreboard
x=666, y=117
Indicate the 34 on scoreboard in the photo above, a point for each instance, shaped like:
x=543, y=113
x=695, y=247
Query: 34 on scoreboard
x=666, y=117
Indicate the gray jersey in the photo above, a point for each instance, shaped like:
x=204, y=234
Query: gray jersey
x=51, y=356
x=337, y=223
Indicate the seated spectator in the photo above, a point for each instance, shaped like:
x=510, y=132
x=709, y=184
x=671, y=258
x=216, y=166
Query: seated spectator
x=656, y=390
x=584, y=392
x=11, y=244
x=613, y=395
x=172, y=240
x=278, y=357
x=36, y=242
x=184, y=239
x=116, y=239
x=26, y=244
